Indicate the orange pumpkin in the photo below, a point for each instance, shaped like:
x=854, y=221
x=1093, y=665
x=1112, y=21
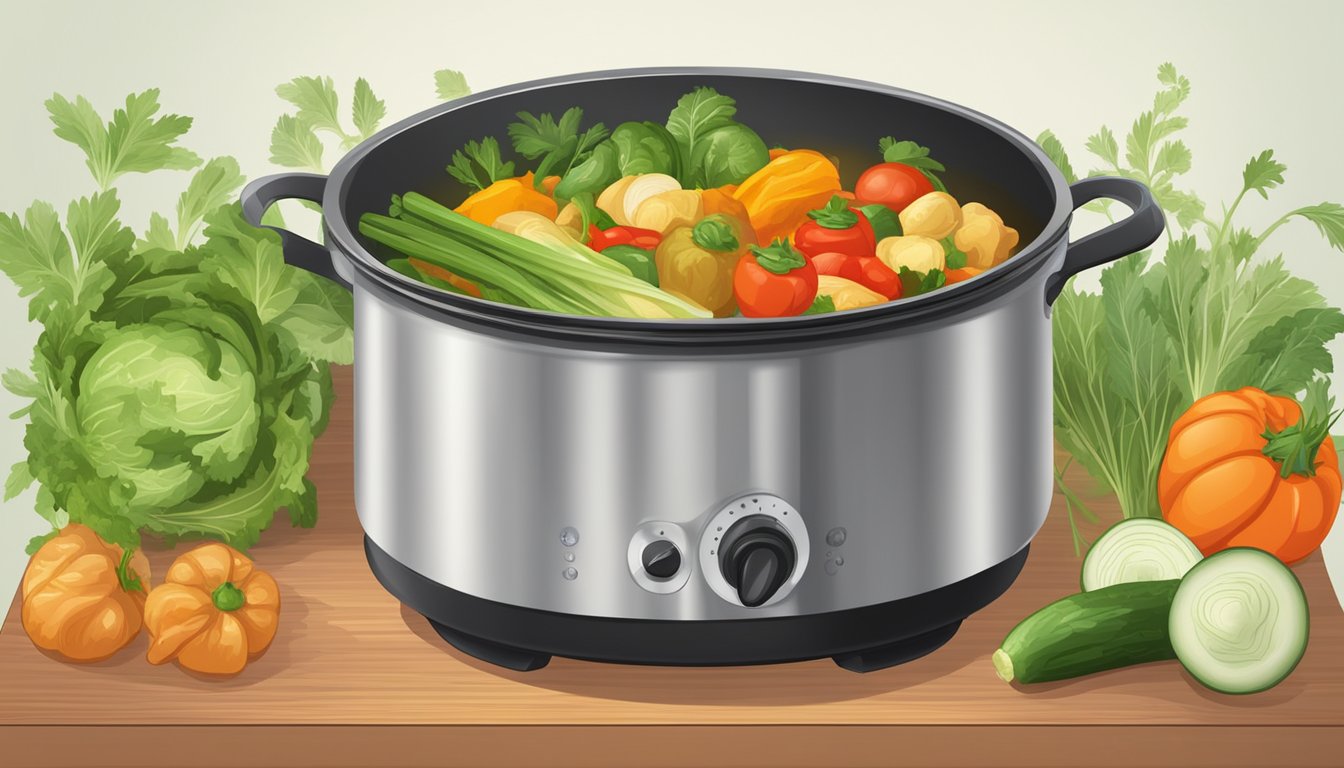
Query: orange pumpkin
x=213, y=613
x=1249, y=469
x=83, y=597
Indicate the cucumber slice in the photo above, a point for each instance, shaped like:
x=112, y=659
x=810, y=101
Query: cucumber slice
x=1239, y=621
x=1090, y=632
x=1138, y=549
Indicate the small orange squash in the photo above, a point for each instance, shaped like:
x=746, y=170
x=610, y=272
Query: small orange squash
x=83, y=597
x=1250, y=469
x=213, y=613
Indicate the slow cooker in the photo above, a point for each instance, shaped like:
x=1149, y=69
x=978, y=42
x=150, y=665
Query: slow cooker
x=703, y=492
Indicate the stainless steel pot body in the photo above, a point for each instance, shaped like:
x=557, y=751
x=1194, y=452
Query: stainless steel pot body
x=527, y=458
x=929, y=447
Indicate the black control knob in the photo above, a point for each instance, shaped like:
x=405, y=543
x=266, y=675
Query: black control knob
x=661, y=559
x=756, y=557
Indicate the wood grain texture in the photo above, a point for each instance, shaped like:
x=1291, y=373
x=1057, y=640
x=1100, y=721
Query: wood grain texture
x=348, y=653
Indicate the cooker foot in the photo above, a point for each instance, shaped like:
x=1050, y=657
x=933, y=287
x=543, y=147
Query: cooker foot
x=505, y=656
x=909, y=649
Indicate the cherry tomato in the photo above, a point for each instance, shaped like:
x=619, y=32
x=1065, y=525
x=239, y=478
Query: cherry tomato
x=894, y=185
x=645, y=239
x=836, y=229
x=776, y=281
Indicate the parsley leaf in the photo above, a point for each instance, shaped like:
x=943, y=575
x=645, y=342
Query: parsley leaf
x=478, y=164
x=131, y=142
x=368, y=109
x=559, y=143
x=1103, y=145
x=451, y=84
x=1054, y=150
x=212, y=187
x=317, y=102
x=295, y=140
x=1261, y=174
x=295, y=145
x=1328, y=218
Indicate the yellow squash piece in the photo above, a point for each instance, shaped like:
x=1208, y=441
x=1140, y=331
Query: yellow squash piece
x=847, y=294
x=779, y=195
x=504, y=196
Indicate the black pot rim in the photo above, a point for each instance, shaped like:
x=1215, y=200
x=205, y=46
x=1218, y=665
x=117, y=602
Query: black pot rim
x=736, y=330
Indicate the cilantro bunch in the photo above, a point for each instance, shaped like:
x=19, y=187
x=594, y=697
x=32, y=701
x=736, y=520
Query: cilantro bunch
x=1212, y=315
x=181, y=375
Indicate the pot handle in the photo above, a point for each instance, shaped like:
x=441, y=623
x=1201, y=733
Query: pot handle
x=299, y=251
x=1132, y=233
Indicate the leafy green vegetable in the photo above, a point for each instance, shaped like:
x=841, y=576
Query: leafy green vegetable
x=729, y=155
x=821, y=305
x=131, y=142
x=175, y=389
x=560, y=144
x=592, y=175
x=914, y=283
x=645, y=148
x=714, y=149
x=696, y=114
x=1209, y=317
x=478, y=164
x=451, y=84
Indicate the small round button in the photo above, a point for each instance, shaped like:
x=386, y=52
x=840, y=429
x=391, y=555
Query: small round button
x=661, y=559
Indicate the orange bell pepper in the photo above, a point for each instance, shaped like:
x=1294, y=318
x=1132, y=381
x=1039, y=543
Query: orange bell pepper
x=779, y=195
x=504, y=196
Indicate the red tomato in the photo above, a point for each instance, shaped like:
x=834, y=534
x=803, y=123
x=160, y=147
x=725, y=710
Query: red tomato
x=894, y=185
x=839, y=264
x=868, y=271
x=837, y=229
x=599, y=239
x=777, y=281
x=879, y=277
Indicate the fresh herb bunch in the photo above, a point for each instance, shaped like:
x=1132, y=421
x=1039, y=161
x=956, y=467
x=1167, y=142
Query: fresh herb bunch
x=1212, y=315
x=179, y=381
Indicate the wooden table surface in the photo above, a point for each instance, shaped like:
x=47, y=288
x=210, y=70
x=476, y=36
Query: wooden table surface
x=354, y=678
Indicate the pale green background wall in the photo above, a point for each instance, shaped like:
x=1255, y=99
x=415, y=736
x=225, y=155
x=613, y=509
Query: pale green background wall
x=1265, y=74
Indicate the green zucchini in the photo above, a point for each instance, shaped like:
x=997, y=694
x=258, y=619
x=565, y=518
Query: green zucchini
x=1138, y=549
x=1090, y=632
x=1239, y=621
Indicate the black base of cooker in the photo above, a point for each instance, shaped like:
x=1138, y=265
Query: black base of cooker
x=858, y=639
